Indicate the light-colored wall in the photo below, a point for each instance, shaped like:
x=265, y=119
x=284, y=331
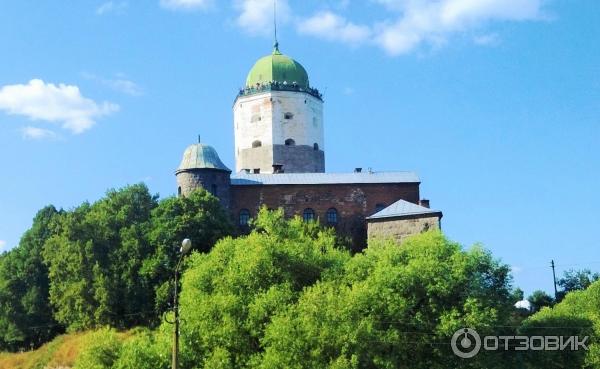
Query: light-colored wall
x=305, y=128
x=400, y=229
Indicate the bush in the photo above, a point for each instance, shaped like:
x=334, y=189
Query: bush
x=101, y=350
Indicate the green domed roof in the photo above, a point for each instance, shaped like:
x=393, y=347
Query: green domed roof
x=277, y=68
x=200, y=156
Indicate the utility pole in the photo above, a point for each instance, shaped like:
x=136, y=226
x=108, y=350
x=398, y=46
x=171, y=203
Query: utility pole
x=554, y=276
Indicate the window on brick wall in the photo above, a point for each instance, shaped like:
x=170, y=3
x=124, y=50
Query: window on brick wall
x=308, y=215
x=332, y=216
x=244, y=217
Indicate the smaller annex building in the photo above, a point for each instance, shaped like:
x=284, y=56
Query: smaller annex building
x=280, y=163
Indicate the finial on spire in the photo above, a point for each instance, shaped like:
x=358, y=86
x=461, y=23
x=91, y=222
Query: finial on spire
x=276, y=44
x=199, y=140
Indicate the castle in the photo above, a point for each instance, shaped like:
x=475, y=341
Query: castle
x=280, y=163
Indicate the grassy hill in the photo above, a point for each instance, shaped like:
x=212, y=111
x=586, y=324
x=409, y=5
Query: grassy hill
x=60, y=353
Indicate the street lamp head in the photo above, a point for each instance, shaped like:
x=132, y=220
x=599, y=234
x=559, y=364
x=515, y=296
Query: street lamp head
x=186, y=246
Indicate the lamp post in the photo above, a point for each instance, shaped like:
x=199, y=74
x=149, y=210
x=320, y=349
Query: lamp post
x=186, y=246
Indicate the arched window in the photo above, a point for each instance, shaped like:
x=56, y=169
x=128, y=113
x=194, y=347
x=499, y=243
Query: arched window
x=288, y=116
x=244, y=217
x=380, y=207
x=316, y=146
x=308, y=215
x=332, y=216
x=290, y=142
x=179, y=191
x=256, y=143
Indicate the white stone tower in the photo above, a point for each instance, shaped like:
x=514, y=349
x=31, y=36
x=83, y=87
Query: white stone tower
x=278, y=119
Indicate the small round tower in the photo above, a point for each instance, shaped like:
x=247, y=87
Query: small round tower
x=201, y=167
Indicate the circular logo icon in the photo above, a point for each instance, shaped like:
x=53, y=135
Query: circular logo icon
x=466, y=343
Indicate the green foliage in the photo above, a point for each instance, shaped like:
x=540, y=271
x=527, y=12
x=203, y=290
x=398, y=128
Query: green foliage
x=144, y=351
x=230, y=295
x=576, y=280
x=101, y=350
x=25, y=319
x=394, y=307
x=110, y=262
x=540, y=299
x=199, y=217
x=286, y=297
x=95, y=258
x=576, y=315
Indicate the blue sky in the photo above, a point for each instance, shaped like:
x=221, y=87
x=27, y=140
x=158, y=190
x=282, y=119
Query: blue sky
x=495, y=103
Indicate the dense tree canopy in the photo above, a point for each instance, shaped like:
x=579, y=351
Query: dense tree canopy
x=25, y=319
x=105, y=263
x=286, y=296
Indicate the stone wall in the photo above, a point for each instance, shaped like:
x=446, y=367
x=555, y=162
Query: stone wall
x=214, y=181
x=353, y=202
x=401, y=228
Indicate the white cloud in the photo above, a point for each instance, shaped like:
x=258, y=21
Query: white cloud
x=112, y=7
x=330, y=26
x=415, y=23
x=186, y=4
x=120, y=83
x=256, y=16
x=38, y=134
x=60, y=103
x=490, y=39
x=426, y=22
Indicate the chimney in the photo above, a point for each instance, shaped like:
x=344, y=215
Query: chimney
x=424, y=203
x=357, y=170
x=277, y=168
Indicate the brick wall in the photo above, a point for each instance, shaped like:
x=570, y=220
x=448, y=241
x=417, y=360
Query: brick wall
x=353, y=202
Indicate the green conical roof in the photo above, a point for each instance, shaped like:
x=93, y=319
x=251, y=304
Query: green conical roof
x=200, y=156
x=277, y=68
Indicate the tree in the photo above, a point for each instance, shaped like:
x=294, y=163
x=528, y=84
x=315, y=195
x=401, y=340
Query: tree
x=25, y=319
x=95, y=259
x=199, y=217
x=540, y=299
x=394, y=307
x=576, y=315
x=230, y=295
x=576, y=280
x=110, y=262
x=286, y=296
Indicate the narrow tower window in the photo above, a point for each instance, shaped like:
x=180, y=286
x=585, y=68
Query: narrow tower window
x=316, y=146
x=179, y=191
x=244, y=217
x=256, y=143
x=290, y=142
x=308, y=215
